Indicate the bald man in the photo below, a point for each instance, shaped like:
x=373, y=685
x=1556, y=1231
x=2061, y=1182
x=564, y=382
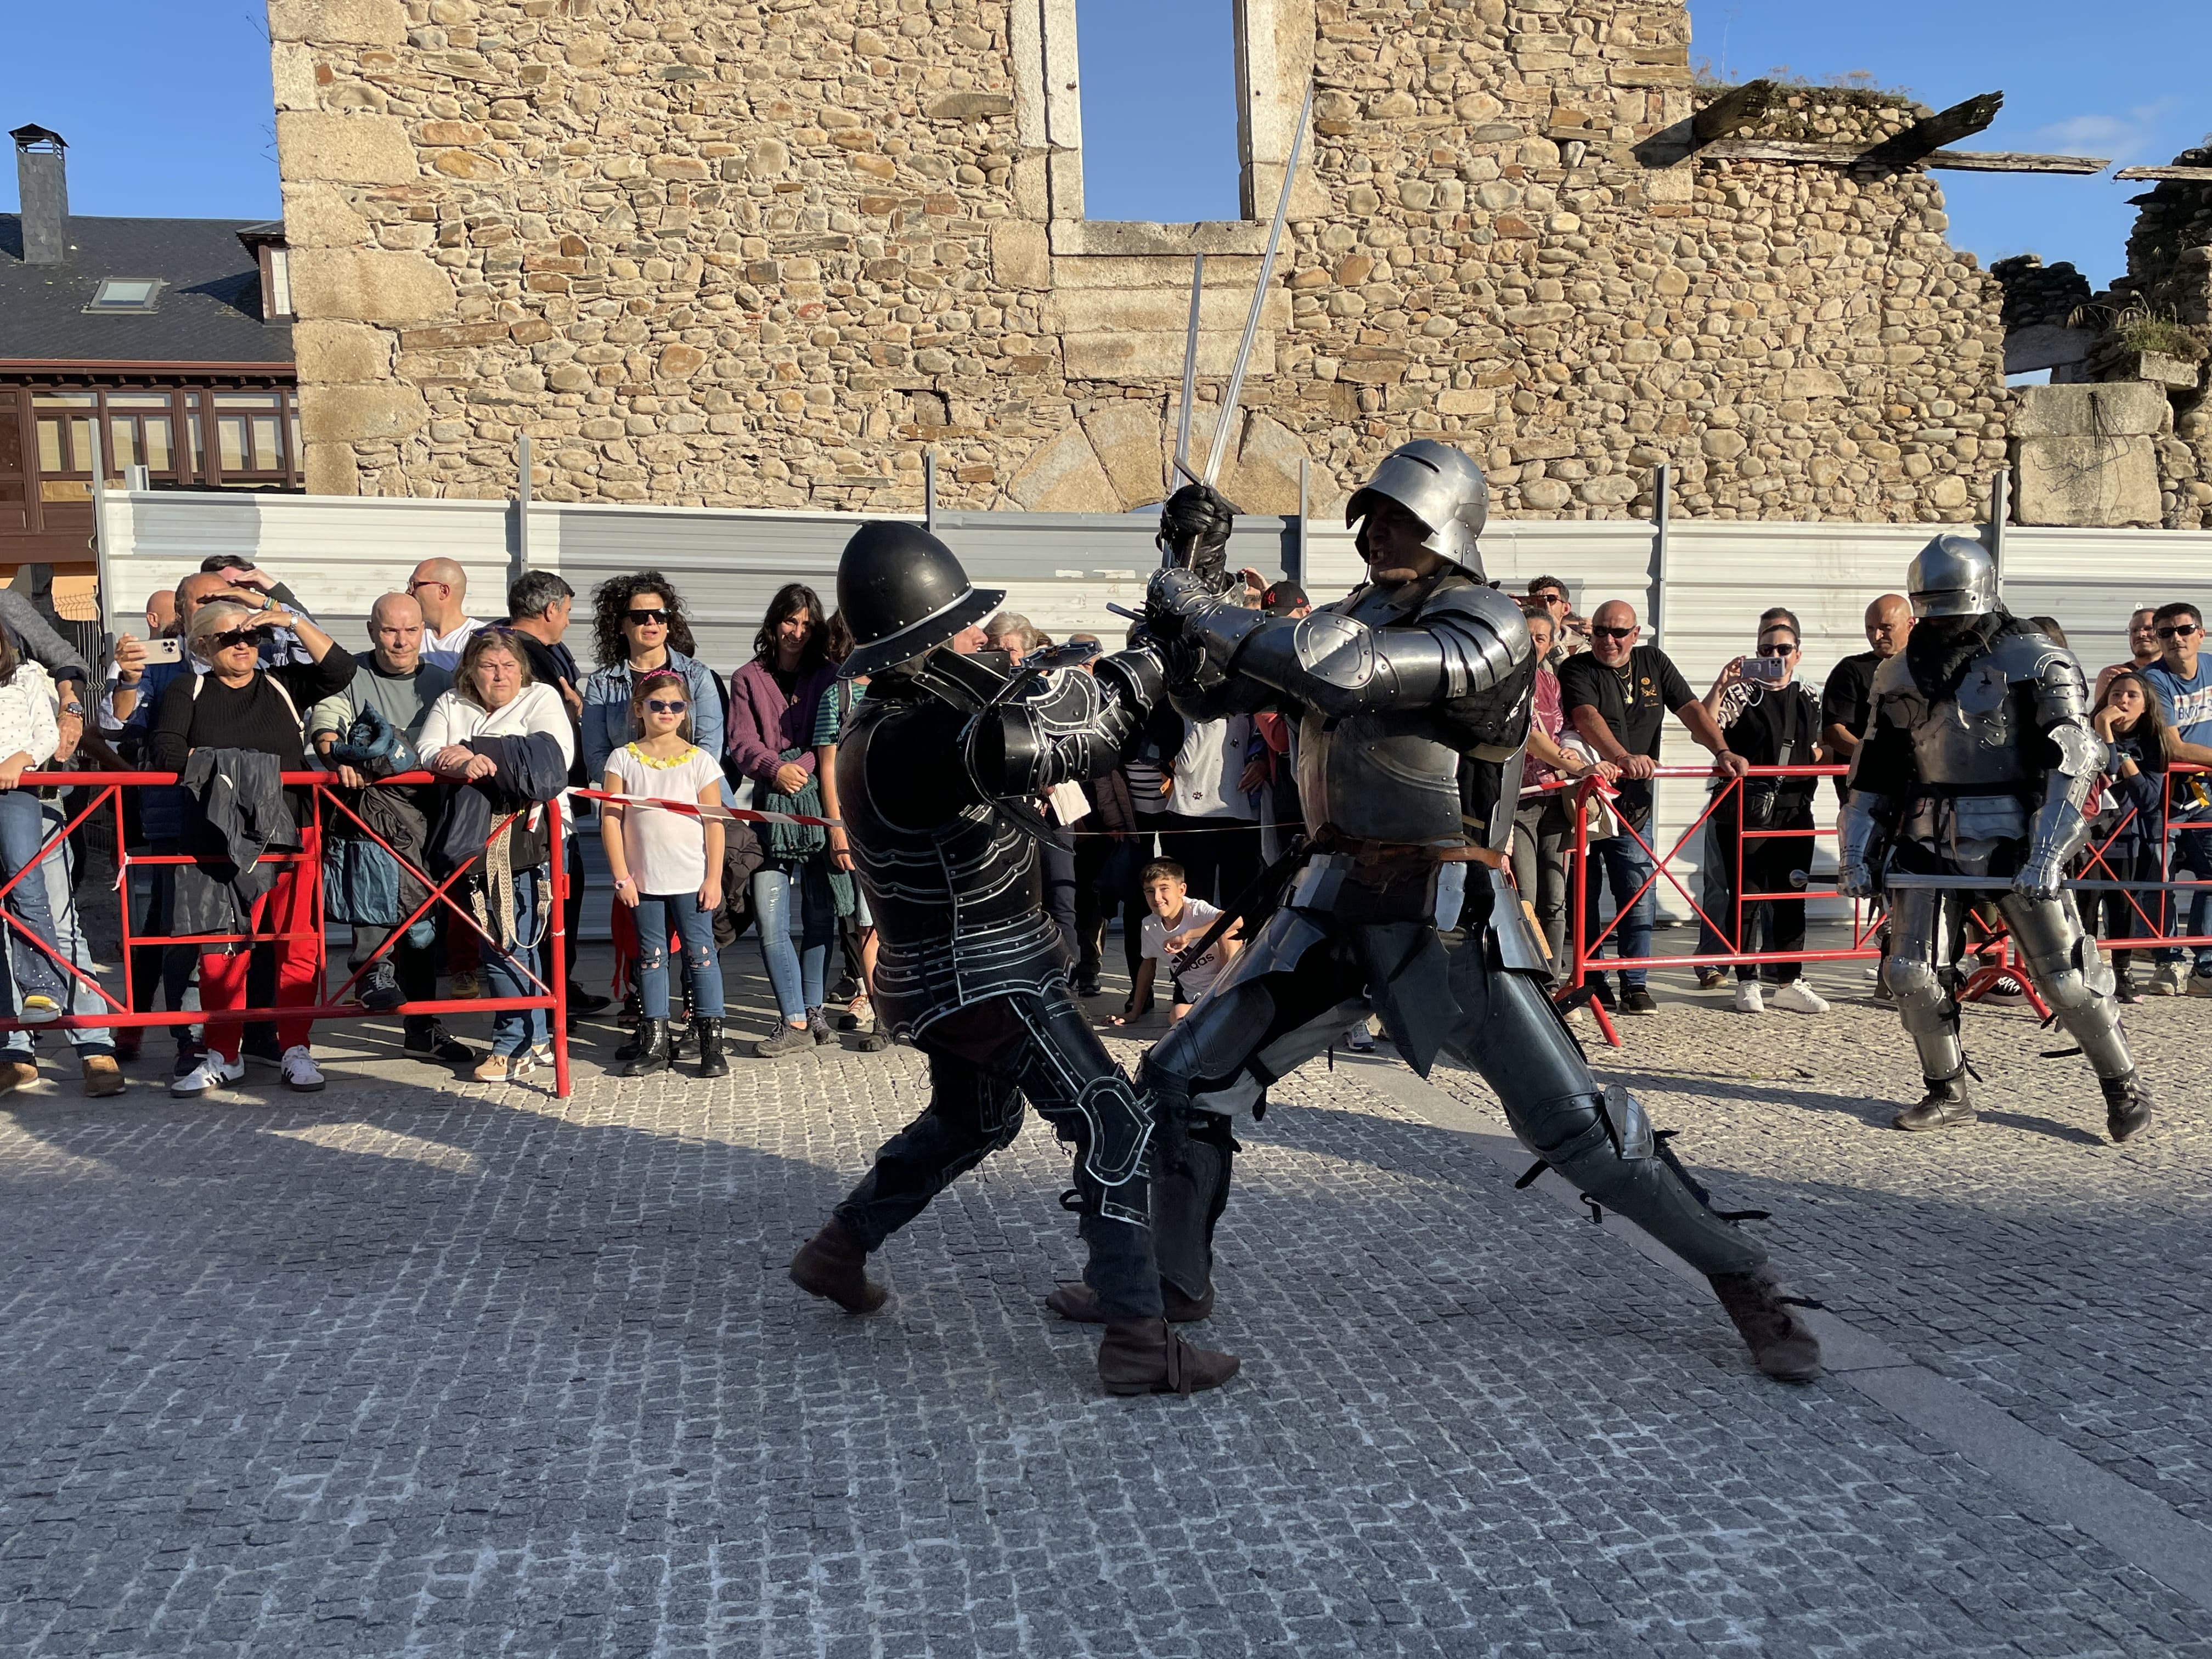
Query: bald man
x=1848, y=697
x=441, y=587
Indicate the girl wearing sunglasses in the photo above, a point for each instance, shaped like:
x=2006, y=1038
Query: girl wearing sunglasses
x=667, y=867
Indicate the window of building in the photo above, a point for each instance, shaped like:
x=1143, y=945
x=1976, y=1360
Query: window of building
x=1160, y=110
x=280, y=285
x=126, y=294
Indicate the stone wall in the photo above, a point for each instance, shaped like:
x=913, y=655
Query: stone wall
x=707, y=251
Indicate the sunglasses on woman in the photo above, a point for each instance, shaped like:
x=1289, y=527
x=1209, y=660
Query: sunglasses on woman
x=252, y=636
x=642, y=618
x=664, y=706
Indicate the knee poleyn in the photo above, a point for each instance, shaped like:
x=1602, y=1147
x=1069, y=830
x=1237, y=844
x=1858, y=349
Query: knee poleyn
x=1910, y=979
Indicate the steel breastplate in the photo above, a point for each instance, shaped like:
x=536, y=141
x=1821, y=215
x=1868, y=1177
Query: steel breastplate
x=1970, y=751
x=1395, y=775
x=958, y=905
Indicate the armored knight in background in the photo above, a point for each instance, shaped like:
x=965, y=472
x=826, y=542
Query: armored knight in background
x=1422, y=665
x=936, y=774
x=1978, y=761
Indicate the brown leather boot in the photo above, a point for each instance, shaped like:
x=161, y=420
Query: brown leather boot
x=1782, y=1345
x=1079, y=1302
x=1143, y=1356
x=833, y=1264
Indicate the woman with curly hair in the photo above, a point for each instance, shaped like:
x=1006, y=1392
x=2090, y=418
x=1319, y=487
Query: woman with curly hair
x=638, y=627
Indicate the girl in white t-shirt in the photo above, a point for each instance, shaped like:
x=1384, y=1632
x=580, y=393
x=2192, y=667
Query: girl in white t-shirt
x=667, y=866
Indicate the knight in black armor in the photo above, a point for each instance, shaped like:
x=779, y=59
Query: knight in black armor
x=1978, y=761
x=937, y=775
x=1422, y=665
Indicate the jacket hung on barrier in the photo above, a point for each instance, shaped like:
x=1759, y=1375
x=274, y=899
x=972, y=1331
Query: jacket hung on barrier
x=532, y=770
x=234, y=810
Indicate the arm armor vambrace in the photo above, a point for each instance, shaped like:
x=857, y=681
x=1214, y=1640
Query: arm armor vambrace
x=1075, y=726
x=1862, y=831
x=1341, y=666
x=2059, y=828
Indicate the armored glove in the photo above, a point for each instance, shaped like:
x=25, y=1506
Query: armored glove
x=1194, y=527
x=1858, y=880
x=1172, y=596
x=2043, y=876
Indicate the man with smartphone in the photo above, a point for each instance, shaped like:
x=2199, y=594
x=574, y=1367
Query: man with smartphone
x=1770, y=720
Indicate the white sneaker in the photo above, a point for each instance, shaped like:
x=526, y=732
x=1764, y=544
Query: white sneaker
x=212, y=1072
x=1799, y=997
x=2171, y=980
x=298, y=1069
x=1359, y=1038
x=1747, y=998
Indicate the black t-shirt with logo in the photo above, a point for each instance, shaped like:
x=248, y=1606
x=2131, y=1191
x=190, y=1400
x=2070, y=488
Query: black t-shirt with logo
x=1633, y=701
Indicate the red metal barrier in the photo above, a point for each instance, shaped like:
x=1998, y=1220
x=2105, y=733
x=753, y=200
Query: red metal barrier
x=108, y=788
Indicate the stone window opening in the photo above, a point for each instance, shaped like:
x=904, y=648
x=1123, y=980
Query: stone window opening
x=1274, y=46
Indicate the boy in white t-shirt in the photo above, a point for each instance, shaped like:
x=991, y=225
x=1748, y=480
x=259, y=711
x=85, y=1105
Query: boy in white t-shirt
x=1176, y=922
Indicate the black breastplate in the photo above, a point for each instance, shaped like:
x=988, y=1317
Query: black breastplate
x=954, y=888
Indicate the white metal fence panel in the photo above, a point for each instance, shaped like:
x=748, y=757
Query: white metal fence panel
x=2091, y=579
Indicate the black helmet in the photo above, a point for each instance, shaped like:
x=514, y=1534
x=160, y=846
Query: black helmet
x=900, y=592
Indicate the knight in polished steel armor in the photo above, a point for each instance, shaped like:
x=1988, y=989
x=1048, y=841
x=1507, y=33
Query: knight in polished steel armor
x=1422, y=666
x=938, y=771
x=1978, y=761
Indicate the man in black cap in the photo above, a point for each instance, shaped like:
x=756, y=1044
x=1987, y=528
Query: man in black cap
x=936, y=774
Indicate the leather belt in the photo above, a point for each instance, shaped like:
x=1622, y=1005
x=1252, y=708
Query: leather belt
x=1409, y=851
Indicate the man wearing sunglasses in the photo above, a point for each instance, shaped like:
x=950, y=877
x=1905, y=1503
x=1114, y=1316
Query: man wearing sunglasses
x=2182, y=678
x=1617, y=695
x=1770, y=720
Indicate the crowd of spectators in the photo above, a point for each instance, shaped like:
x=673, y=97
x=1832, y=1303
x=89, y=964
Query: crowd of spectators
x=234, y=683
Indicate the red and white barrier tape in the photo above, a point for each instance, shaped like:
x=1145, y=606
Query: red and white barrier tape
x=720, y=814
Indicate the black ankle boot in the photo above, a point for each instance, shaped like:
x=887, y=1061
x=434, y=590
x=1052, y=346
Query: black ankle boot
x=680, y=1033
x=1945, y=1106
x=630, y=1051
x=652, y=1049
x=708, y=1033
x=2127, y=1105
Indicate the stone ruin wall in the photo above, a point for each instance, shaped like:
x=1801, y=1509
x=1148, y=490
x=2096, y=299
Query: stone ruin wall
x=742, y=254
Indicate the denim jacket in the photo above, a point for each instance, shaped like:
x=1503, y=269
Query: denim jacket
x=606, y=714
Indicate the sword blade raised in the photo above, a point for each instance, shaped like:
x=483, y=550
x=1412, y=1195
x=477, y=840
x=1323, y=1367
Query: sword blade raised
x=1235, y=391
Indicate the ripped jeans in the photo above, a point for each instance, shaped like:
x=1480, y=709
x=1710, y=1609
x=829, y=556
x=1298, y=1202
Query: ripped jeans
x=656, y=913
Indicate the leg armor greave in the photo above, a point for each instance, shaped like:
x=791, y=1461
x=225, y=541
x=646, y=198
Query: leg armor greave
x=1597, y=1138
x=2063, y=963
x=1917, y=974
x=1190, y=1191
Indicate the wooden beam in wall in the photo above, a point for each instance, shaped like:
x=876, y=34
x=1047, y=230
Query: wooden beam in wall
x=1847, y=155
x=2184, y=175
x=1737, y=107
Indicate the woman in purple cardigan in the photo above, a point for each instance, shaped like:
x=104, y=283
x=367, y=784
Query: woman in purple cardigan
x=773, y=702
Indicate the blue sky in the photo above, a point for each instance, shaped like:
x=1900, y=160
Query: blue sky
x=169, y=112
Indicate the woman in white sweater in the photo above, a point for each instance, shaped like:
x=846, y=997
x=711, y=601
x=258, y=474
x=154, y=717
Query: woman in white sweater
x=494, y=697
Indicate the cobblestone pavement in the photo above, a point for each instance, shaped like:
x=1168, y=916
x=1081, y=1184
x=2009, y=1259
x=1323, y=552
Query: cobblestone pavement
x=422, y=1366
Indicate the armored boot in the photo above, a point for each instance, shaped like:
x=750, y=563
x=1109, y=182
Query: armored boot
x=651, y=1049
x=1782, y=1345
x=834, y=1264
x=1079, y=1302
x=1143, y=1356
x=708, y=1035
x=2127, y=1105
x=1945, y=1106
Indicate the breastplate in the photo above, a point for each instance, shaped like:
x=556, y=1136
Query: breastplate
x=1395, y=775
x=1970, y=751
x=958, y=905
